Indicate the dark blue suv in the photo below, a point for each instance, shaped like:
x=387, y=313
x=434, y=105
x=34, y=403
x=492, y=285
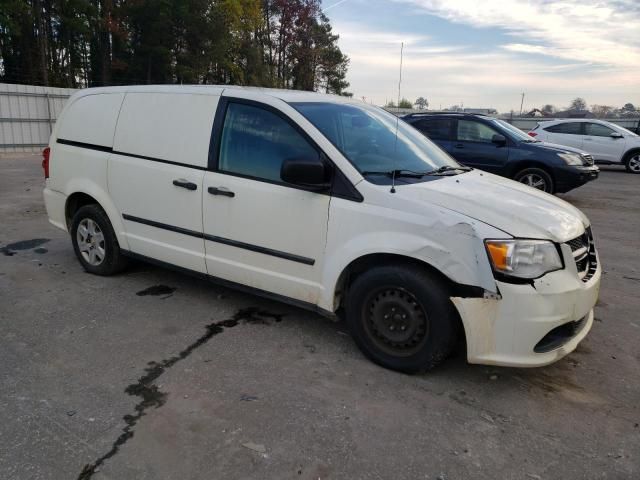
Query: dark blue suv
x=496, y=146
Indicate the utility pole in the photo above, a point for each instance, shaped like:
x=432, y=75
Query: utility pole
x=521, y=103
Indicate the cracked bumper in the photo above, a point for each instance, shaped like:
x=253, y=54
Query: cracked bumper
x=505, y=331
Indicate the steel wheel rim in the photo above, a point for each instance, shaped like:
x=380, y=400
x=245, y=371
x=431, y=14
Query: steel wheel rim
x=395, y=321
x=634, y=164
x=534, y=180
x=90, y=240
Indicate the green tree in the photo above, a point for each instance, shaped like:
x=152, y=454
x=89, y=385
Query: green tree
x=75, y=43
x=404, y=103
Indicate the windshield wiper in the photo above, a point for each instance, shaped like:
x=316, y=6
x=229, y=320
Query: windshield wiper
x=397, y=173
x=447, y=168
x=413, y=174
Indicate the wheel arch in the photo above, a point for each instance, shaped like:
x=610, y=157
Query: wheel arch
x=629, y=153
x=524, y=164
x=361, y=264
x=91, y=194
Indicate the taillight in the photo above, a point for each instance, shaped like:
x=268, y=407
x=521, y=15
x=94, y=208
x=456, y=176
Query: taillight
x=45, y=161
x=533, y=134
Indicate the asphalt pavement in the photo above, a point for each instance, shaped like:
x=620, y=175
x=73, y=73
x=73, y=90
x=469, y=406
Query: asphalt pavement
x=153, y=374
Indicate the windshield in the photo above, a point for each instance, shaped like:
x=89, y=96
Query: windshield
x=625, y=131
x=515, y=132
x=366, y=135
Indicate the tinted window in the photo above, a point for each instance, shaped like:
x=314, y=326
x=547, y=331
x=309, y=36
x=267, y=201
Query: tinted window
x=597, y=130
x=471, y=131
x=572, y=128
x=255, y=142
x=435, y=128
x=372, y=139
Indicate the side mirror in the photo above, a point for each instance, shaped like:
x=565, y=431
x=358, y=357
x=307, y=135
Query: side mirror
x=305, y=172
x=498, y=139
x=616, y=135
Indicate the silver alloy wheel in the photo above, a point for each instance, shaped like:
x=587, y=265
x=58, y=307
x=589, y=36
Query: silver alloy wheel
x=535, y=181
x=90, y=242
x=634, y=163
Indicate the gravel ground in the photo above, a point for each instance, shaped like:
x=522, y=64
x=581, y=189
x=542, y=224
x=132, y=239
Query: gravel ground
x=277, y=392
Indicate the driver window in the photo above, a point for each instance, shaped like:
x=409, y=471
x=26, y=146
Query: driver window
x=255, y=142
x=471, y=131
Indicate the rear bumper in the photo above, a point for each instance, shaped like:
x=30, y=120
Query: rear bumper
x=521, y=329
x=568, y=178
x=55, y=203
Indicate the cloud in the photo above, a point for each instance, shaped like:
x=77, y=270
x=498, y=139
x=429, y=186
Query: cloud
x=580, y=30
x=560, y=50
x=352, y=31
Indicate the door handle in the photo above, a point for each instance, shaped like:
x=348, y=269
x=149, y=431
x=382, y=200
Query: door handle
x=458, y=145
x=182, y=183
x=221, y=191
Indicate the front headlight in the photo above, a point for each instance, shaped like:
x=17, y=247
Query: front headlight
x=571, y=158
x=526, y=259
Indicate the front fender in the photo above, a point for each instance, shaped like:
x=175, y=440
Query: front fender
x=453, y=245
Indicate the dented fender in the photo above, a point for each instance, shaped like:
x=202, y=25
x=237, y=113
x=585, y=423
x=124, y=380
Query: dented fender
x=450, y=242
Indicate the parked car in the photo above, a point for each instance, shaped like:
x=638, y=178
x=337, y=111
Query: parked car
x=607, y=142
x=329, y=204
x=496, y=146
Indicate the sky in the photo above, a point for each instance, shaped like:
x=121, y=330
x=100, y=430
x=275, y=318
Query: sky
x=486, y=53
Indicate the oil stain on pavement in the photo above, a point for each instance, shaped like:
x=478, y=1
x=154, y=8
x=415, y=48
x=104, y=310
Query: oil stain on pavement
x=151, y=396
x=156, y=290
x=11, y=249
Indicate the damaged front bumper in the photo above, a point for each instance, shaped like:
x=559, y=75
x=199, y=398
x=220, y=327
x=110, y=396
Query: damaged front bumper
x=530, y=325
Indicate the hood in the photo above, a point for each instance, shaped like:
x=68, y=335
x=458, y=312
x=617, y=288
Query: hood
x=554, y=147
x=512, y=207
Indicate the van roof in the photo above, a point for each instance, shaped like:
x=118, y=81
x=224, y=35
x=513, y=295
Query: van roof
x=285, y=95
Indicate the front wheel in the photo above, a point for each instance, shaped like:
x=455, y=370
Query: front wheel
x=633, y=163
x=95, y=242
x=536, y=178
x=401, y=317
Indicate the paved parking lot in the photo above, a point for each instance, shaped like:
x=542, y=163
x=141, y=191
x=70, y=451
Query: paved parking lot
x=109, y=378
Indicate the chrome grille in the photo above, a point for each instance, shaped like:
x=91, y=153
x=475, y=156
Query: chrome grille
x=587, y=159
x=584, y=254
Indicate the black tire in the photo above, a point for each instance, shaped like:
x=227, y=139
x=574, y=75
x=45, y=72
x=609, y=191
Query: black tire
x=430, y=330
x=632, y=162
x=112, y=260
x=533, y=176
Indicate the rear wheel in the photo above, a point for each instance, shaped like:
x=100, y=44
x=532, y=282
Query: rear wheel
x=401, y=318
x=95, y=242
x=633, y=162
x=536, y=178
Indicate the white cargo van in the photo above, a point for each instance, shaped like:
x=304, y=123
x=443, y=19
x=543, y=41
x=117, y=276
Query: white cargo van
x=330, y=204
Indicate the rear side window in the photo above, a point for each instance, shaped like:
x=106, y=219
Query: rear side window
x=436, y=128
x=255, y=142
x=597, y=130
x=471, y=131
x=570, y=128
